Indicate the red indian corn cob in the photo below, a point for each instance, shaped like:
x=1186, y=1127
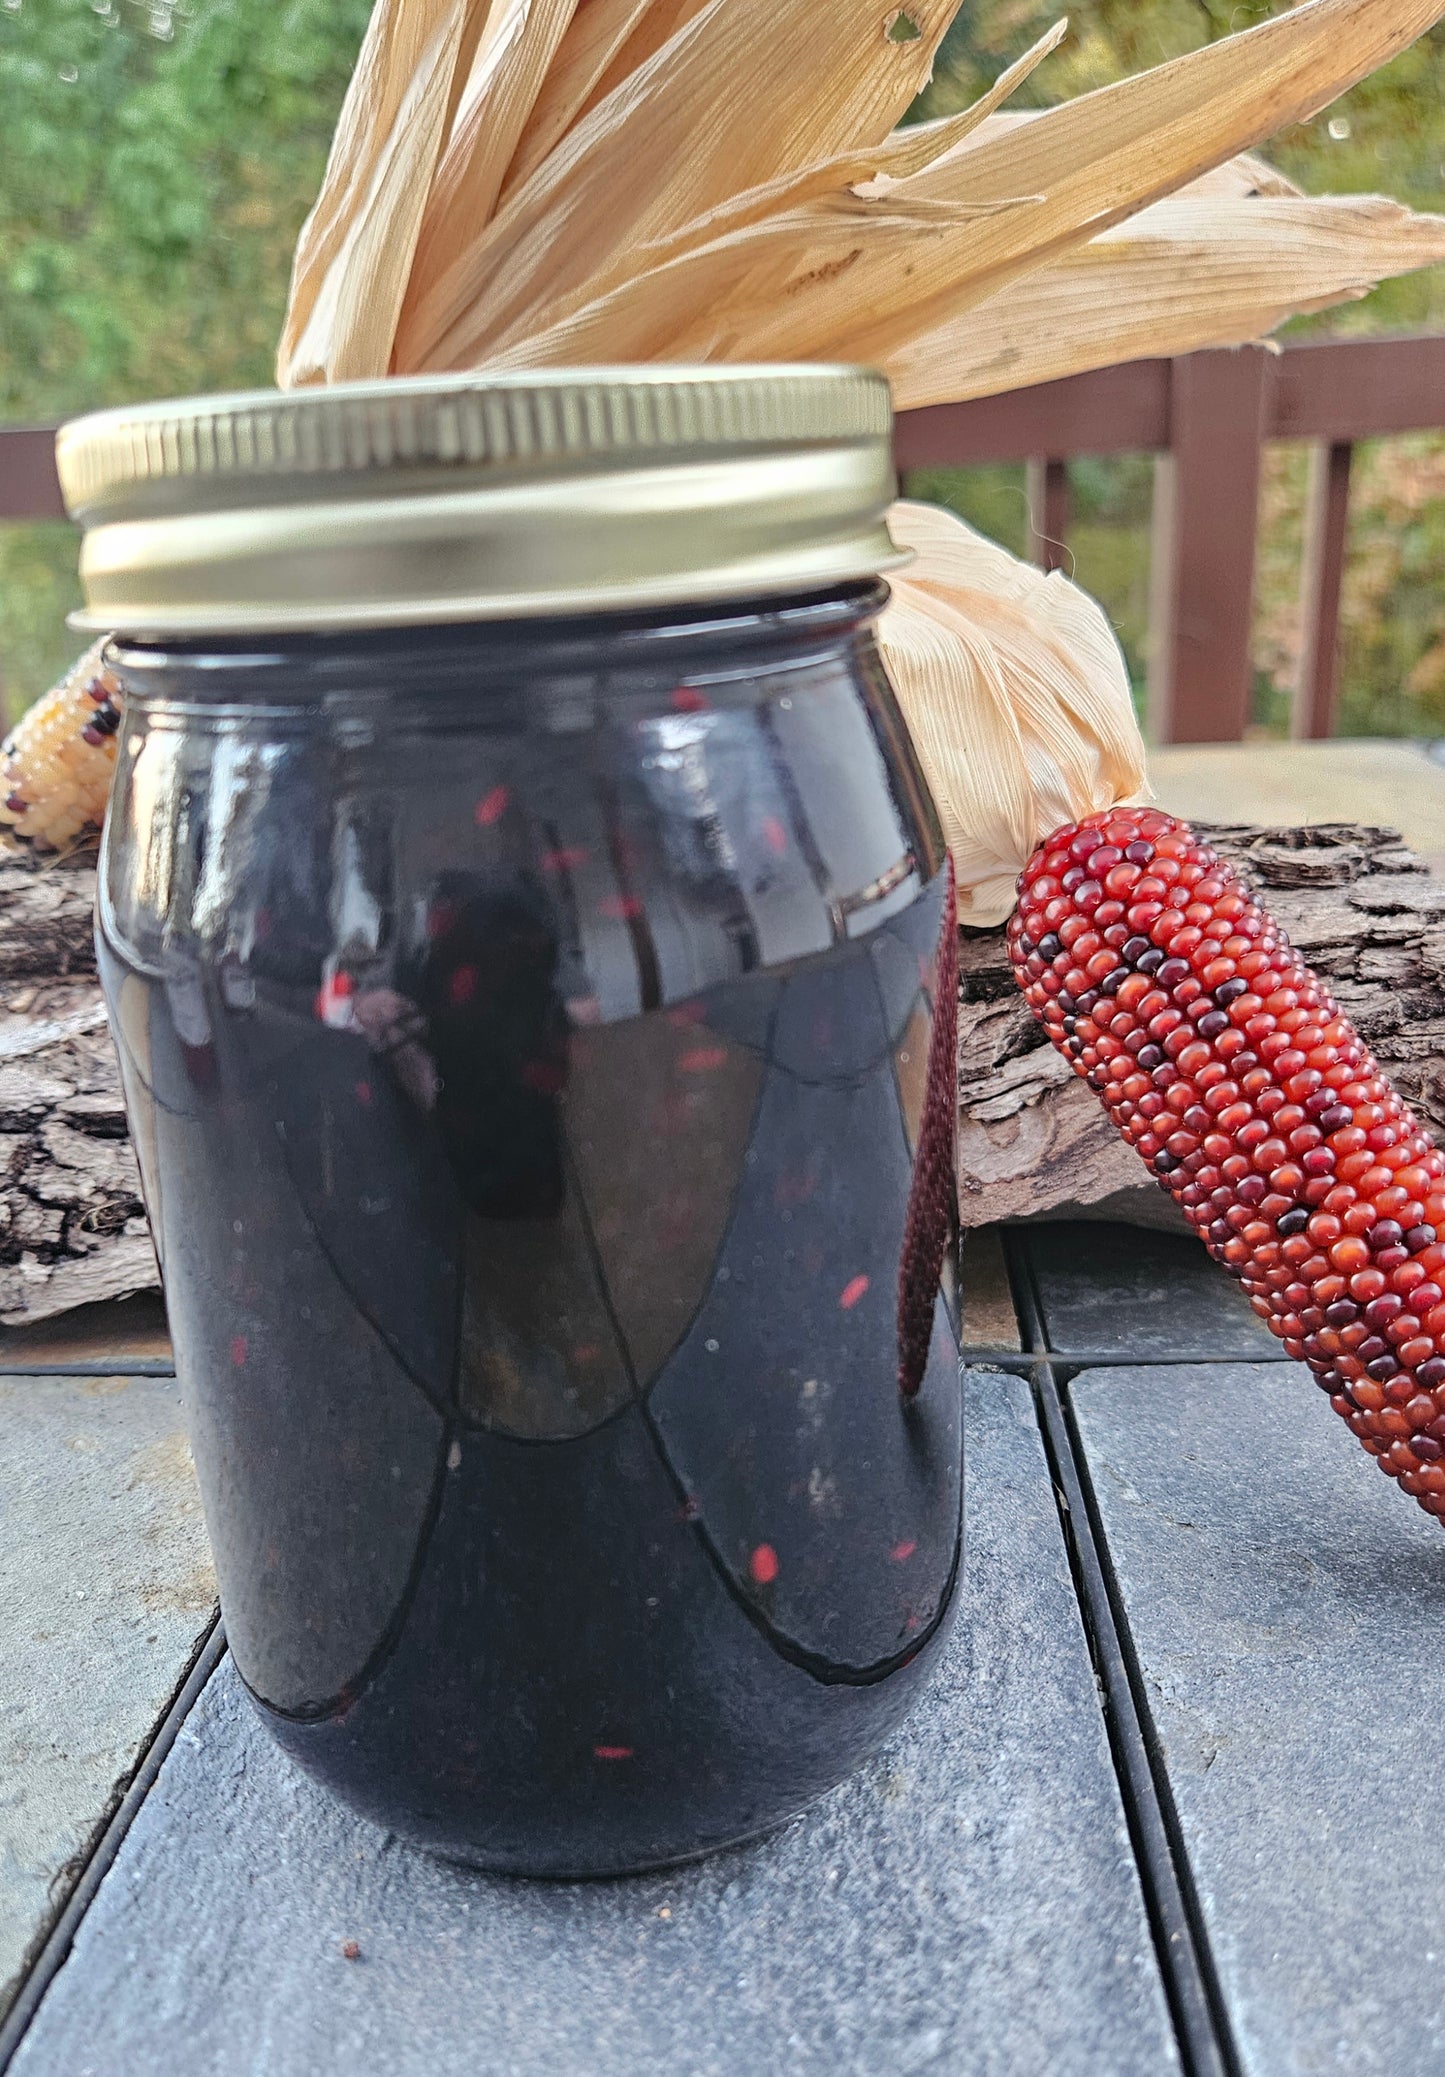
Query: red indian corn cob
x=57, y=763
x=1226, y=1062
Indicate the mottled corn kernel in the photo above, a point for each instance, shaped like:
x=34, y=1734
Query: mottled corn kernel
x=57, y=763
x=1229, y=1066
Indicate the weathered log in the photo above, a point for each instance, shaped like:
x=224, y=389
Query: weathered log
x=72, y=1228
x=1033, y=1140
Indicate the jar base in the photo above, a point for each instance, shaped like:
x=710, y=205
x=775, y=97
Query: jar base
x=482, y=1863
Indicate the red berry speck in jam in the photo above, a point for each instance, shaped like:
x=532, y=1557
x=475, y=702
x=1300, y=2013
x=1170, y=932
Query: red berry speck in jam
x=763, y=1565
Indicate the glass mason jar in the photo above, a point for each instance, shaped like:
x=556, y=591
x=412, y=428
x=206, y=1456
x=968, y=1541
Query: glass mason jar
x=529, y=944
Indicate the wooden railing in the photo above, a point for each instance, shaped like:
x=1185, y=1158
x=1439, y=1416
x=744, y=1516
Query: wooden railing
x=1206, y=417
x=29, y=487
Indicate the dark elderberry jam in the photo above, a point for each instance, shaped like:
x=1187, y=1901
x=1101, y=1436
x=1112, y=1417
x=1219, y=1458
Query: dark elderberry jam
x=539, y=1045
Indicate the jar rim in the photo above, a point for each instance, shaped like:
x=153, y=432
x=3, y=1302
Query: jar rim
x=474, y=497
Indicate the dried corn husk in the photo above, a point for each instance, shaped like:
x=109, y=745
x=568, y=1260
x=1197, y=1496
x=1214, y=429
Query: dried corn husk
x=1208, y=271
x=869, y=276
x=654, y=156
x=354, y=256
x=526, y=182
x=518, y=43
x=1016, y=695
x=607, y=42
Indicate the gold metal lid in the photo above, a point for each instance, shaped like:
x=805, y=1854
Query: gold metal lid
x=478, y=497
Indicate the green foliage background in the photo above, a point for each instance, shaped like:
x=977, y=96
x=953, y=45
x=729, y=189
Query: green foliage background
x=156, y=161
x=157, y=157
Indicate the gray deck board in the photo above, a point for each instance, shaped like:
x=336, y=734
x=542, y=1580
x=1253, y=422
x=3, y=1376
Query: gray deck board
x=105, y=1586
x=1287, y=1604
x=968, y=1903
x=1132, y=1292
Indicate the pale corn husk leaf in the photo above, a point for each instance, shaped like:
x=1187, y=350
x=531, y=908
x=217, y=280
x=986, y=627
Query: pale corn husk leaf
x=396, y=35
x=661, y=22
x=606, y=43
x=1190, y=272
x=1245, y=174
x=609, y=39
x=1216, y=265
x=873, y=172
x=1016, y=695
x=654, y=155
x=1096, y=161
x=1101, y=158
x=842, y=276
x=368, y=142
x=709, y=302
x=510, y=63
x=480, y=15
x=923, y=145
x=654, y=315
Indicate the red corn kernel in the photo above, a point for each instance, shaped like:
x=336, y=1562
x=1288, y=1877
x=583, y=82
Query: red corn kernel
x=1232, y=1070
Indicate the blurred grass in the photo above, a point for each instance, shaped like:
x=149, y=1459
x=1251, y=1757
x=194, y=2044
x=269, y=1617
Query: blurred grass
x=38, y=587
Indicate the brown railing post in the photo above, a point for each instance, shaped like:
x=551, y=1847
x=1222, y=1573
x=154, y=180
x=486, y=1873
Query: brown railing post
x=1327, y=518
x=1206, y=517
x=1047, y=490
x=29, y=486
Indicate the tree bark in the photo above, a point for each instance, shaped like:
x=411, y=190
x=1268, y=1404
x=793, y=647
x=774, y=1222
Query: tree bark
x=72, y=1227
x=1033, y=1141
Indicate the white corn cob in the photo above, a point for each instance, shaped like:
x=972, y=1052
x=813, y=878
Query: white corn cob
x=57, y=762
